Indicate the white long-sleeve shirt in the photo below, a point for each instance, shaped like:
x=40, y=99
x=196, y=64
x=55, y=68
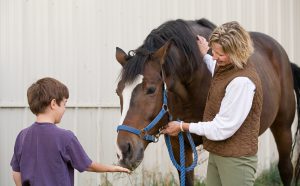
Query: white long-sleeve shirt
x=235, y=107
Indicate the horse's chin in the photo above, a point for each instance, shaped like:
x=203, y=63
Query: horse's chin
x=129, y=164
x=132, y=158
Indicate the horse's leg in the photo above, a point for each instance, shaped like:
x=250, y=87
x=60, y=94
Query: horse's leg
x=189, y=176
x=283, y=138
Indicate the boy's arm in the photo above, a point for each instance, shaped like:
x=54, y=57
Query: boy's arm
x=17, y=178
x=97, y=167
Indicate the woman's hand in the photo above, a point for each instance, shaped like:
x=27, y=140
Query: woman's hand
x=203, y=45
x=172, y=128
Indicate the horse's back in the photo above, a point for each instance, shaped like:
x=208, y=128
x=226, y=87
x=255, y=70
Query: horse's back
x=273, y=67
x=201, y=27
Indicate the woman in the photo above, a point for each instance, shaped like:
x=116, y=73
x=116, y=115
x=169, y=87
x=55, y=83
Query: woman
x=231, y=120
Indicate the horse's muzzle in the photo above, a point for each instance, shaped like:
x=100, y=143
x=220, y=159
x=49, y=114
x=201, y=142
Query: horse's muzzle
x=131, y=153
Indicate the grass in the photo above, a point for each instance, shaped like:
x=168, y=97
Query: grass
x=199, y=183
x=266, y=178
x=269, y=177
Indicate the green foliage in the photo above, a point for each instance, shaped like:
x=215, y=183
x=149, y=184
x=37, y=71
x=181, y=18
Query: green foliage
x=269, y=177
x=199, y=183
x=266, y=178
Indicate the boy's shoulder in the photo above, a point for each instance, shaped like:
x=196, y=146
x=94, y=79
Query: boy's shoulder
x=60, y=132
x=64, y=133
x=51, y=129
x=24, y=131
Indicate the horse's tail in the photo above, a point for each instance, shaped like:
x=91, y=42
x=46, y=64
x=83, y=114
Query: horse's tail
x=296, y=76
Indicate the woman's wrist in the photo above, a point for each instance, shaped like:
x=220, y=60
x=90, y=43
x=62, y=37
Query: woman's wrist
x=184, y=127
x=180, y=126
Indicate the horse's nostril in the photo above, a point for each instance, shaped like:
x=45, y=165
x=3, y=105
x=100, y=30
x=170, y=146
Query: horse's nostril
x=126, y=150
x=128, y=153
x=129, y=148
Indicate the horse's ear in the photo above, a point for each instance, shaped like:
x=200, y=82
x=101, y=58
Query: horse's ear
x=162, y=51
x=121, y=56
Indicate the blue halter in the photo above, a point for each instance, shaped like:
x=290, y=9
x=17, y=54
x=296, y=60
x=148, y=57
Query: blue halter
x=154, y=138
x=143, y=133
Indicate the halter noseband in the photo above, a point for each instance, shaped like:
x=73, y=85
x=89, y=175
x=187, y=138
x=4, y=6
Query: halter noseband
x=143, y=133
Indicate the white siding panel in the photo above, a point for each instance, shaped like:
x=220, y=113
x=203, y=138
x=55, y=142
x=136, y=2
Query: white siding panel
x=296, y=27
x=11, y=124
x=75, y=41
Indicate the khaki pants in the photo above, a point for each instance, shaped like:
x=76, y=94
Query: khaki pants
x=228, y=171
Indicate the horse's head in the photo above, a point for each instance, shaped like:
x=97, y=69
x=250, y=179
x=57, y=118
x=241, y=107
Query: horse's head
x=141, y=94
x=169, y=56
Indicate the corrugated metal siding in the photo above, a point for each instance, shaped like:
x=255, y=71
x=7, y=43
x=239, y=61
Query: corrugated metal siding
x=74, y=41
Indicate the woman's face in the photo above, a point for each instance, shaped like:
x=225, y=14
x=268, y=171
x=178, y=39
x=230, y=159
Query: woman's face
x=219, y=55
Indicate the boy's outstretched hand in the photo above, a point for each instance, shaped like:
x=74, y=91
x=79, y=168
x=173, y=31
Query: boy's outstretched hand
x=99, y=167
x=121, y=169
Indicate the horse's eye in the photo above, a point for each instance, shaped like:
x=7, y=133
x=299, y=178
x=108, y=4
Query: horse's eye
x=150, y=90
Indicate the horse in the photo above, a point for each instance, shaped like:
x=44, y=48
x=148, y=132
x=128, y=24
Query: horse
x=169, y=59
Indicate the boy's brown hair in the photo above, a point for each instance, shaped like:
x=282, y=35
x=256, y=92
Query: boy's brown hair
x=41, y=93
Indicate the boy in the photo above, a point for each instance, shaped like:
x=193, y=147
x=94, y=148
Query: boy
x=45, y=154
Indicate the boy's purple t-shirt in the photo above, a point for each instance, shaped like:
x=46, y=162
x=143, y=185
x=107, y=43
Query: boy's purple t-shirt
x=47, y=155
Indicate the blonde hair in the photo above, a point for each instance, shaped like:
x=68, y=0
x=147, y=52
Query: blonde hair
x=235, y=42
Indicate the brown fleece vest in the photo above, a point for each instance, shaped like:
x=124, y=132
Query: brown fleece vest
x=244, y=141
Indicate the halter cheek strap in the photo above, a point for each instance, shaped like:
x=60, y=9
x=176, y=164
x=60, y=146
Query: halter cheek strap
x=154, y=138
x=143, y=133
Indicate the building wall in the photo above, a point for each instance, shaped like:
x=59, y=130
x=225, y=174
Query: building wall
x=74, y=41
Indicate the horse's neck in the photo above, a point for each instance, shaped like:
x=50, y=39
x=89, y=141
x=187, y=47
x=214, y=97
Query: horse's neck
x=192, y=109
x=198, y=92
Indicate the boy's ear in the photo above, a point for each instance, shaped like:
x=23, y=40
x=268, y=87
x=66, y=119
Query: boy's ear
x=53, y=103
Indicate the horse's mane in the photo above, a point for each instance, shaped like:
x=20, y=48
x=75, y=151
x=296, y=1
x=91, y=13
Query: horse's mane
x=206, y=23
x=181, y=35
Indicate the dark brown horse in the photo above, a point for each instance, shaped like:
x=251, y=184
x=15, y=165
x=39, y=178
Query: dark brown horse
x=170, y=56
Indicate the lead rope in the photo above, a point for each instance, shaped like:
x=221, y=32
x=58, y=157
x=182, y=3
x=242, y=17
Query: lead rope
x=181, y=168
